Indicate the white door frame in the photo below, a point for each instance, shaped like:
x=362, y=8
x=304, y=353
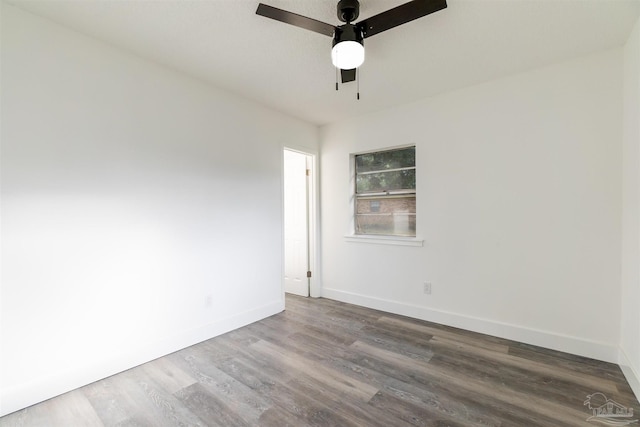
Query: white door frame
x=313, y=215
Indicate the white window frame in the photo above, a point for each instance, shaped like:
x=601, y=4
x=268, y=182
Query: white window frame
x=379, y=239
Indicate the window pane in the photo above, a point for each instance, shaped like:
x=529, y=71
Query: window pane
x=386, y=181
x=390, y=215
x=394, y=159
x=395, y=225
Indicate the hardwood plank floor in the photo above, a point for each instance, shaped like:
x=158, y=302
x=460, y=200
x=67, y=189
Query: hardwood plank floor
x=327, y=363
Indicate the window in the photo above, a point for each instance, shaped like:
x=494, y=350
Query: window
x=385, y=193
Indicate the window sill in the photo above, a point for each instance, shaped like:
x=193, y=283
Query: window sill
x=385, y=240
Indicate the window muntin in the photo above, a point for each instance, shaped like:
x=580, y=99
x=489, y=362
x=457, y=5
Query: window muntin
x=385, y=193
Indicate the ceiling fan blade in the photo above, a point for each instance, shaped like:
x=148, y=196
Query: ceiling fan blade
x=295, y=19
x=399, y=15
x=348, y=75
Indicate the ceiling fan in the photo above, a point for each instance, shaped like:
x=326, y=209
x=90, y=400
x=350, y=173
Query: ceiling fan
x=347, y=53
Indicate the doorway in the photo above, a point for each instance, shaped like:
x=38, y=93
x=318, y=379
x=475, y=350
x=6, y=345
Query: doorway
x=299, y=239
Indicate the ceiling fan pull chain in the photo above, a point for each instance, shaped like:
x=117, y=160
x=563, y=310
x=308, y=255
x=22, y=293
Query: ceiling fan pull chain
x=336, y=78
x=358, y=83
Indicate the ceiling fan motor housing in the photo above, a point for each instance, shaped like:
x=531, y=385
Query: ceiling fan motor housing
x=348, y=10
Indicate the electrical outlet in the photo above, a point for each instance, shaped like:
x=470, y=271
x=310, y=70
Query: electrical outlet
x=427, y=288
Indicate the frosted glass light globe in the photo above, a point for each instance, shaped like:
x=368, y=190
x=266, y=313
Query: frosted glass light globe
x=347, y=55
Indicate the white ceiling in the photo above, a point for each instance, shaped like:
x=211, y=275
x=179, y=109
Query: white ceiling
x=289, y=69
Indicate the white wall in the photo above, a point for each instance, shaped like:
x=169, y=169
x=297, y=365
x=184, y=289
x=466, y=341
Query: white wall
x=630, y=314
x=519, y=206
x=141, y=210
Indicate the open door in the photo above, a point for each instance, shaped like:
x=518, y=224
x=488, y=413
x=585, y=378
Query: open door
x=296, y=223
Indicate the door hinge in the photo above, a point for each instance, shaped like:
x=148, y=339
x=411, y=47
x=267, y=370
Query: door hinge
x=308, y=171
x=308, y=274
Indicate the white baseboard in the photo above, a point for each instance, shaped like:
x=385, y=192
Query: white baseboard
x=27, y=394
x=630, y=373
x=550, y=340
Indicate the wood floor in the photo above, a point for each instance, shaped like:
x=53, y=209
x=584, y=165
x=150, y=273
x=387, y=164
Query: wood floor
x=325, y=363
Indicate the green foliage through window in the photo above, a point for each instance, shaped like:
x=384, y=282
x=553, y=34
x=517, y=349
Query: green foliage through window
x=386, y=181
x=385, y=160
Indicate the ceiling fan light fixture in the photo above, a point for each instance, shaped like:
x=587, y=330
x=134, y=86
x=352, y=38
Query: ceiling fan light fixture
x=347, y=51
x=348, y=48
x=347, y=55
